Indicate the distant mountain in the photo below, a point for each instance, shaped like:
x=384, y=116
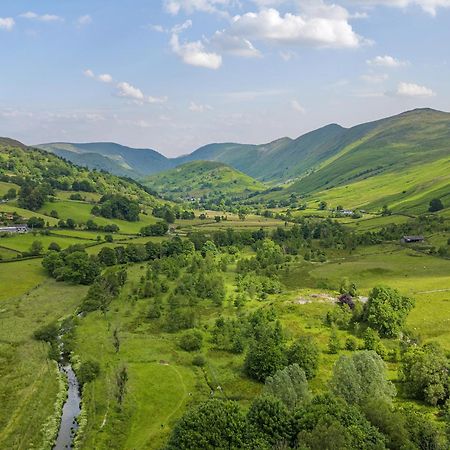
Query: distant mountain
x=114, y=158
x=401, y=160
x=203, y=179
x=276, y=161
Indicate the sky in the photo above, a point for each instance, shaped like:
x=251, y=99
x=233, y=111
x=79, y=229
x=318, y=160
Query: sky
x=174, y=75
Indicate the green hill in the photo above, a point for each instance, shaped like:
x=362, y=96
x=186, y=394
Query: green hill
x=203, y=178
x=49, y=174
x=402, y=161
x=114, y=158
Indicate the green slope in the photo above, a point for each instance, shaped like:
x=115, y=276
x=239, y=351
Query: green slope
x=203, y=178
x=19, y=162
x=403, y=161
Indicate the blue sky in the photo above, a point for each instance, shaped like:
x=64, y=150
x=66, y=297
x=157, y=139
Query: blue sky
x=176, y=74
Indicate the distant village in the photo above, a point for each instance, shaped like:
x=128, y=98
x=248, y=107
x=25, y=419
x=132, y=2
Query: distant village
x=11, y=222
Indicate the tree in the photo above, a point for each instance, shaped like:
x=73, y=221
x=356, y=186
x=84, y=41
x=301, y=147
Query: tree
x=270, y=418
x=54, y=246
x=334, y=344
x=264, y=357
x=121, y=384
x=213, y=424
x=156, y=229
x=11, y=194
x=435, y=205
x=290, y=386
x=323, y=205
x=191, y=341
x=107, y=256
x=36, y=222
x=386, y=310
x=36, y=248
x=425, y=371
x=305, y=353
x=361, y=377
x=385, y=211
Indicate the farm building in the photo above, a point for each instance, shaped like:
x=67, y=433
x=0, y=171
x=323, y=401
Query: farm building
x=412, y=239
x=14, y=229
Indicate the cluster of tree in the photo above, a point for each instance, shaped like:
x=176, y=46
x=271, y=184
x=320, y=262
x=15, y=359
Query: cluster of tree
x=356, y=413
x=108, y=228
x=156, y=229
x=72, y=264
x=115, y=206
x=105, y=288
x=170, y=213
x=32, y=195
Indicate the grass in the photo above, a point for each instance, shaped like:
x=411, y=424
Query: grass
x=29, y=384
x=22, y=242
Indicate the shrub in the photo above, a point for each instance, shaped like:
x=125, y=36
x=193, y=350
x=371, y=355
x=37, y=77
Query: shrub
x=191, y=341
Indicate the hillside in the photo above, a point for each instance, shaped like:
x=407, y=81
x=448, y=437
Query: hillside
x=203, y=179
x=117, y=159
x=403, y=161
x=21, y=165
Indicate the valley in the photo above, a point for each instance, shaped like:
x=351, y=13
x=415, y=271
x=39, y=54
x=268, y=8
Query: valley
x=202, y=283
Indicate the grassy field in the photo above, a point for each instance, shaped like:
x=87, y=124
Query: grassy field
x=408, y=191
x=80, y=212
x=5, y=187
x=25, y=213
x=29, y=383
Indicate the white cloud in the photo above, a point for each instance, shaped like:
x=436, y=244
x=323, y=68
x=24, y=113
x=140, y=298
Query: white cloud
x=88, y=73
x=287, y=55
x=190, y=6
x=194, y=53
x=320, y=26
x=386, y=61
x=7, y=23
x=414, y=90
x=181, y=27
x=30, y=15
x=105, y=78
x=198, y=108
x=126, y=90
x=234, y=45
x=429, y=6
x=84, y=20
x=375, y=77
x=296, y=106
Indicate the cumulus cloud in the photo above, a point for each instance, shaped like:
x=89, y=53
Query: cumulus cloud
x=7, y=23
x=386, y=61
x=319, y=26
x=126, y=90
x=429, y=6
x=296, y=106
x=84, y=20
x=30, y=15
x=198, y=108
x=414, y=90
x=194, y=53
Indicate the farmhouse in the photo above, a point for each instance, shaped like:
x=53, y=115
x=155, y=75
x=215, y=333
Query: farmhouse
x=412, y=239
x=14, y=229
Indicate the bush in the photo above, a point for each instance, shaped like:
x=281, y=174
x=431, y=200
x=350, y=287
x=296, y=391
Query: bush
x=47, y=333
x=199, y=361
x=88, y=371
x=351, y=343
x=191, y=341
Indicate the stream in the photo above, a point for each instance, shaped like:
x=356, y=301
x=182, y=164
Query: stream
x=72, y=406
